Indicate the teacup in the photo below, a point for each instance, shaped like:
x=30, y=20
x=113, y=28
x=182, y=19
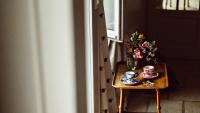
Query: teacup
x=130, y=74
x=149, y=69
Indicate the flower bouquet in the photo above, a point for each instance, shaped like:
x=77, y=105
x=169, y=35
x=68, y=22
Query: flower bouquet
x=140, y=51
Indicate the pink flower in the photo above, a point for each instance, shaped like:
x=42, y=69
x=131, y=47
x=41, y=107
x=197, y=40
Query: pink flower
x=137, y=54
x=146, y=44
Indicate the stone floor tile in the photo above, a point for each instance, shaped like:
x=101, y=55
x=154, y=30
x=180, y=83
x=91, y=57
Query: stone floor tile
x=185, y=94
x=167, y=106
x=192, y=107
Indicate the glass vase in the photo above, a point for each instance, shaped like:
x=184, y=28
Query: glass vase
x=131, y=63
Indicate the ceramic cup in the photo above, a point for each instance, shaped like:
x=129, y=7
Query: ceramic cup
x=149, y=70
x=130, y=74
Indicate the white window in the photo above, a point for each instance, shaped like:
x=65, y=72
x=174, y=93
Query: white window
x=112, y=15
x=188, y=5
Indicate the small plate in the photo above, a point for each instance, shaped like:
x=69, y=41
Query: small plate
x=155, y=75
x=132, y=81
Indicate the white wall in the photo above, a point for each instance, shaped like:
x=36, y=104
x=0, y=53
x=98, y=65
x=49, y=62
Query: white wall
x=37, y=57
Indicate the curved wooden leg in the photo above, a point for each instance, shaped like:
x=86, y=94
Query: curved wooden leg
x=121, y=101
x=158, y=101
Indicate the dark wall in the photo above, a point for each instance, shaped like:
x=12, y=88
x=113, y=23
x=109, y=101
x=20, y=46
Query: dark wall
x=134, y=16
x=176, y=31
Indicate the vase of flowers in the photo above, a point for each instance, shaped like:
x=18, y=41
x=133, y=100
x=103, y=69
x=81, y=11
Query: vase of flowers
x=140, y=51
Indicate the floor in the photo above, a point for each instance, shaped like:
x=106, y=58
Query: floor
x=183, y=95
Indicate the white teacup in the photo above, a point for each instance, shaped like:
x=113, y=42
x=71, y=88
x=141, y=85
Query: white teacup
x=149, y=69
x=130, y=74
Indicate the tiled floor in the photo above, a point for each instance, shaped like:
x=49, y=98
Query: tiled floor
x=183, y=96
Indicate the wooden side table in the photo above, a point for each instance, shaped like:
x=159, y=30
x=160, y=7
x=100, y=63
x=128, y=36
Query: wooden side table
x=159, y=83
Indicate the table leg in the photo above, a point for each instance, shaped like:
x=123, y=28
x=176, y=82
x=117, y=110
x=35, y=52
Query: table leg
x=121, y=101
x=158, y=101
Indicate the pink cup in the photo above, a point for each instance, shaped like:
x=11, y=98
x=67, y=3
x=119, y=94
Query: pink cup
x=148, y=69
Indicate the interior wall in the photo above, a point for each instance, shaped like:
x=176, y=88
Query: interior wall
x=179, y=29
x=134, y=16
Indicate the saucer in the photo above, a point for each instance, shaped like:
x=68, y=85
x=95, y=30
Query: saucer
x=132, y=81
x=154, y=75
